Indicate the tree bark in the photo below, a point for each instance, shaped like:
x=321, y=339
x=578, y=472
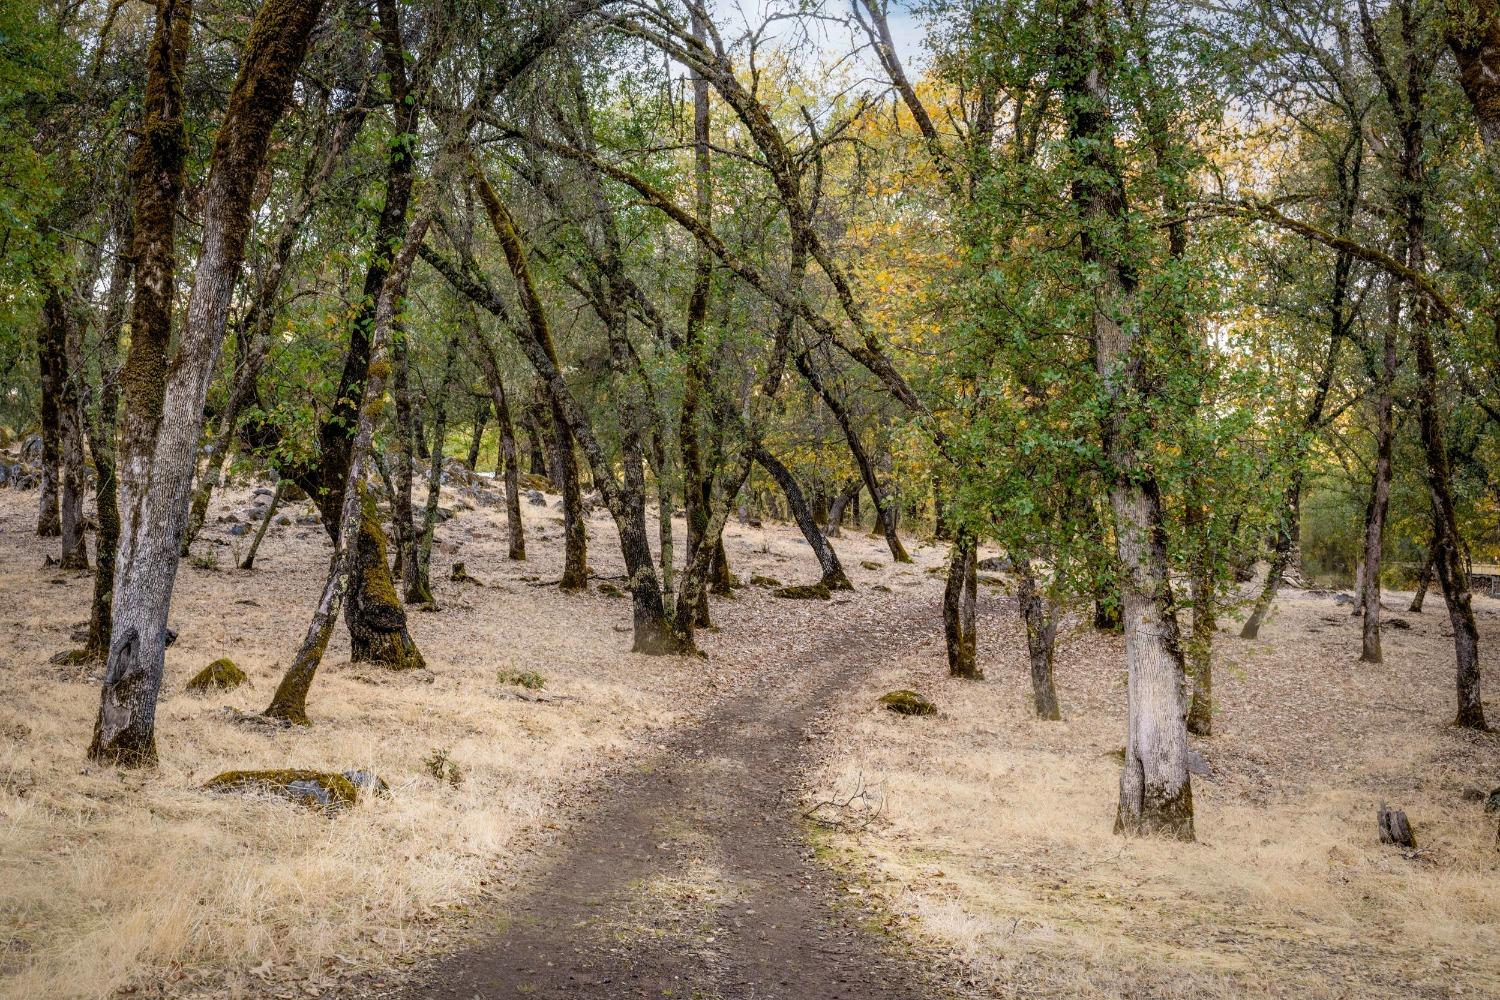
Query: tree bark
x=248, y=563
x=1039, y=613
x=101, y=429
x=65, y=358
x=289, y=703
x=828, y=560
x=841, y=502
x=50, y=365
x=1424, y=579
x=1406, y=95
x=481, y=420
x=1473, y=33
x=421, y=593
x=404, y=565
x=1155, y=787
x=1380, y=487
x=490, y=364
x=885, y=515
x=959, y=634
x=164, y=394
x=1200, y=647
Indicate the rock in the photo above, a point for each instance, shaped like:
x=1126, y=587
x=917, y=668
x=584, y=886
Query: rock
x=1198, y=764
x=316, y=789
x=171, y=637
x=871, y=564
x=239, y=530
x=220, y=675
x=610, y=590
x=284, y=521
x=905, y=702
x=882, y=588
x=756, y=580
x=994, y=564
x=535, y=498
x=292, y=493
x=533, y=482
x=1400, y=623
x=309, y=519
x=1344, y=599
x=803, y=592
x=1492, y=802
x=261, y=491
x=368, y=783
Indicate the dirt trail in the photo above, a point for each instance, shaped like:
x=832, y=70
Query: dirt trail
x=694, y=878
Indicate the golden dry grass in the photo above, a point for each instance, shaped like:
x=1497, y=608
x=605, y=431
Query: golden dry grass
x=115, y=882
x=995, y=840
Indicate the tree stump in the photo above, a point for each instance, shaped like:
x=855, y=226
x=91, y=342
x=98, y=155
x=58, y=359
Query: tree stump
x=1394, y=829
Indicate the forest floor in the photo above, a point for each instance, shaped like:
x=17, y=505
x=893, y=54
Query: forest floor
x=747, y=825
x=143, y=884
x=989, y=833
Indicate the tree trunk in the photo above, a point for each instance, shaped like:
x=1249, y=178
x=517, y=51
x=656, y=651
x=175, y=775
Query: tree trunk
x=101, y=430
x=481, y=421
x=1155, y=788
x=248, y=563
x=421, y=593
x=575, y=574
x=1039, y=613
x=1407, y=94
x=508, y=456
x=1200, y=647
x=652, y=633
x=958, y=608
x=1424, y=579
x=66, y=350
x=828, y=560
x=840, y=506
x=1473, y=33
x=1380, y=487
x=885, y=516
x=50, y=364
x=289, y=703
x=164, y=393
x=404, y=567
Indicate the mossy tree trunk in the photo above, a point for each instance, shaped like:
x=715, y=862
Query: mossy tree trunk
x=403, y=531
x=289, y=703
x=254, y=336
x=165, y=386
x=102, y=425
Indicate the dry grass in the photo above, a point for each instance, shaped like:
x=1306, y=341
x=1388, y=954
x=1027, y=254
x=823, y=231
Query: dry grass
x=114, y=882
x=995, y=839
